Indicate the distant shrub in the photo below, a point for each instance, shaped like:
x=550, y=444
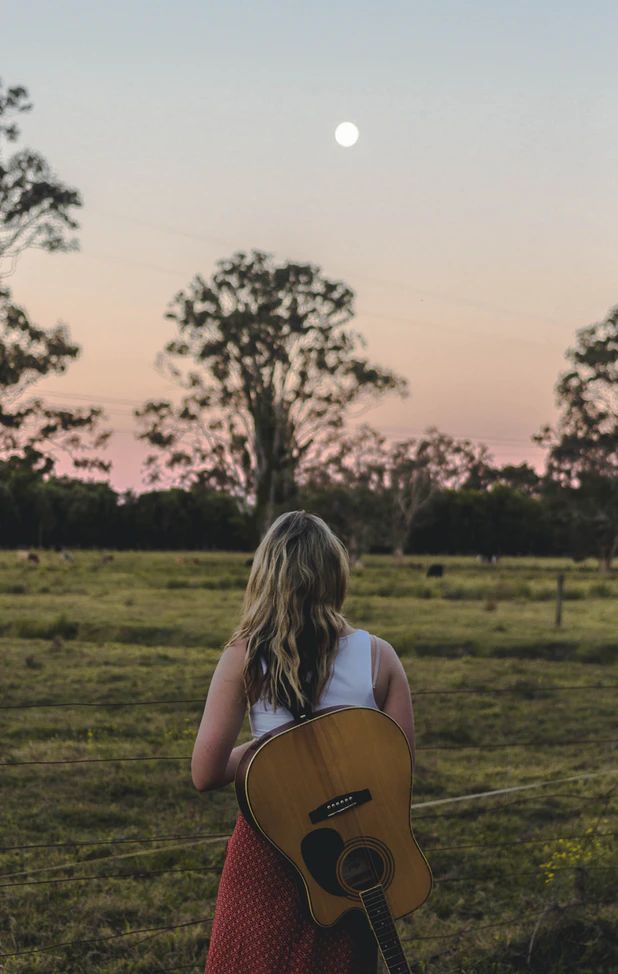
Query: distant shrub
x=219, y=582
x=601, y=590
x=42, y=629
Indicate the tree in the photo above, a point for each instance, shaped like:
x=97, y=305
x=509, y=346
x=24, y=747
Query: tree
x=419, y=468
x=35, y=212
x=346, y=484
x=583, y=448
x=35, y=207
x=273, y=367
x=384, y=489
x=521, y=477
x=32, y=434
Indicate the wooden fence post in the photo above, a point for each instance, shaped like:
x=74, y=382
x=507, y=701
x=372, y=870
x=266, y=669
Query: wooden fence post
x=559, y=597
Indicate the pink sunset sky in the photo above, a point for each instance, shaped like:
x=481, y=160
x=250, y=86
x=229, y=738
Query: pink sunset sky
x=475, y=218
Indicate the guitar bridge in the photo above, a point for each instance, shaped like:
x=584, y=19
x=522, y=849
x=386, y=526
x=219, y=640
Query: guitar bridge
x=341, y=803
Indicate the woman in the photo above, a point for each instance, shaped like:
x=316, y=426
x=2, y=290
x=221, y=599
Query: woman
x=293, y=647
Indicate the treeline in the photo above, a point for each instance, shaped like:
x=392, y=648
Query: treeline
x=71, y=513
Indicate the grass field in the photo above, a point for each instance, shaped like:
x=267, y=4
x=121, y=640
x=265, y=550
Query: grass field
x=524, y=882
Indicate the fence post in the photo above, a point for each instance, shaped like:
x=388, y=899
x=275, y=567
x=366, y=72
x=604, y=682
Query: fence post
x=559, y=596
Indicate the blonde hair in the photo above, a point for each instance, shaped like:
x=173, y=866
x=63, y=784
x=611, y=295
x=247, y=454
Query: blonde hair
x=291, y=616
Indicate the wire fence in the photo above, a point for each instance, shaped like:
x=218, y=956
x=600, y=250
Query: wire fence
x=500, y=745
x=76, y=843
x=481, y=877
x=546, y=840
x=442, y=879
x=521, y=688
x=444, y=935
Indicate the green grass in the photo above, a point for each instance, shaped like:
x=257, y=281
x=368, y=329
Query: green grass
x=151, y=625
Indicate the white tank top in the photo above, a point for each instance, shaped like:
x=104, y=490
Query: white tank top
x=350, y=684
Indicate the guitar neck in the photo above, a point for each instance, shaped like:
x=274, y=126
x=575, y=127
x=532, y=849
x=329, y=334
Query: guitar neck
x=379, y=916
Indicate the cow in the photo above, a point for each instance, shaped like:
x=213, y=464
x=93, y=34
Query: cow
x=30, y=557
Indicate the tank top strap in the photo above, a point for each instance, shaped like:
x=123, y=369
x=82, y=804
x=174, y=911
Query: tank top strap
x=376, y=659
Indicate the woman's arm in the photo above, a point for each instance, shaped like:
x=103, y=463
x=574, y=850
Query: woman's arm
x=215, y=759
x=393, y=690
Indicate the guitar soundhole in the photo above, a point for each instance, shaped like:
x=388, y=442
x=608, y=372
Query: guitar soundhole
x=363, y=864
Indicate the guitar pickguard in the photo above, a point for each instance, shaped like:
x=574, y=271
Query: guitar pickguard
x=321, y=850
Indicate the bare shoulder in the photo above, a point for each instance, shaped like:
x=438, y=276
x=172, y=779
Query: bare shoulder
x=236, y=649
x=232, y=659
x=388, y=654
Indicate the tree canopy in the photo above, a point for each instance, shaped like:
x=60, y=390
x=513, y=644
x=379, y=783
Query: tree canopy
x=272, y=366
x=35, y=211
x=35, y=207
x=583, y=448
x=33, y=434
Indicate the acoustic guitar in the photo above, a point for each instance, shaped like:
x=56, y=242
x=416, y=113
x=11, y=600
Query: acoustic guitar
x=332, y=793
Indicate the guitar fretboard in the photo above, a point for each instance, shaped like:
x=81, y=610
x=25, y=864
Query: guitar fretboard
x=384, y=930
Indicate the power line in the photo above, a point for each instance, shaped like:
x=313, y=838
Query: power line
x=90, y=396
x=381, y=316
x=439, y=295
x=579, y=742
x=517, y=440
x=437, y=691
x=147, y=265
x=404, y=430
x=403, y=320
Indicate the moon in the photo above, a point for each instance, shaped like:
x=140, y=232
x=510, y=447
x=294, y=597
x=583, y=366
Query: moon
x=346, y=134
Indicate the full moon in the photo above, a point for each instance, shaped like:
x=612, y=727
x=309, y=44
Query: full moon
x=346, y=134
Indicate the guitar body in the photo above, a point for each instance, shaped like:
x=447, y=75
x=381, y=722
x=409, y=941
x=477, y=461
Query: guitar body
x=333, y=793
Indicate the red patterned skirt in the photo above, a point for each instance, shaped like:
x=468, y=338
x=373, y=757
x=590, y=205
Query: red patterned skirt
x=261, y=923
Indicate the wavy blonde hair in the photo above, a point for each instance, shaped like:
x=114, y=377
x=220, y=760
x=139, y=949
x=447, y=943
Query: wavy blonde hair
x=291, y=616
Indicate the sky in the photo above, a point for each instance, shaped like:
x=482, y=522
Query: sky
x=475, y=219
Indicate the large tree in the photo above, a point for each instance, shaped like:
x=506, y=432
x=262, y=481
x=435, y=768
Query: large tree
x=35, y=212
x=35, y=207
x=271, y=367
x=32, y=434
x=583, y=447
